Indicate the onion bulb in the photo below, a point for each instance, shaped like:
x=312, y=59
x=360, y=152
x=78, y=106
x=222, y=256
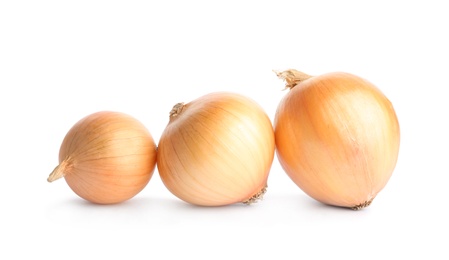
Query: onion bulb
x=106, y=157
x=217, y=150
x=337, y=137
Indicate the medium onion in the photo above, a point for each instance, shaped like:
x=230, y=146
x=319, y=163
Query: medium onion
x=106, y=157
x=337, y=137
x=217, y=150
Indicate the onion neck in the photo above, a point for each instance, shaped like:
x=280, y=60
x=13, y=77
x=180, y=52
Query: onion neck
x=59, y=172
x=176, y=110
x=292, y=77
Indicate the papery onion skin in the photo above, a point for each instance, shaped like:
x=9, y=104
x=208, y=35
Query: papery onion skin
x=217, y=150
x=337, y=137
x=107, y=157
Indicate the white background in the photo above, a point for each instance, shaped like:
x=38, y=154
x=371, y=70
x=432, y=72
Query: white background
x=62, y=60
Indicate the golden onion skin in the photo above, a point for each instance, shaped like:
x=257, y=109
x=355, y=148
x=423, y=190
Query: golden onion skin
x=106, y=157
x=216, y=150
x=337, y=137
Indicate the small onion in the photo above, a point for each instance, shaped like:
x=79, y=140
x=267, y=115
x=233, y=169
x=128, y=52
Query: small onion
x=106, y=157
x=217, y=150
x=337, y=137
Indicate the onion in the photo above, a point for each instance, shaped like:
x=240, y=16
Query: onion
x=107, y=157
x=337, y=137
x=217, y=150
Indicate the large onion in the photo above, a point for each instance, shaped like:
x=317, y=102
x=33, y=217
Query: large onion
x=217, y=150
x=337, y=137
